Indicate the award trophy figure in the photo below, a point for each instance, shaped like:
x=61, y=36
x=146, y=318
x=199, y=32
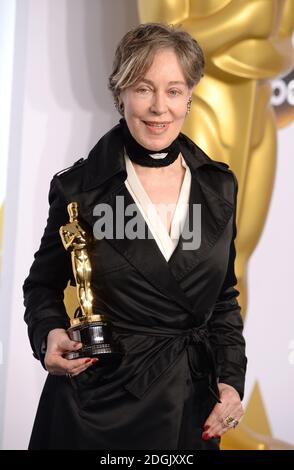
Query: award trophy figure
x=91, y=329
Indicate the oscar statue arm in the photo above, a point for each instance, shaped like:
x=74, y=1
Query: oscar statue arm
x=213, y=27
x=49, y=274
x=68, y=240
x=163, y=11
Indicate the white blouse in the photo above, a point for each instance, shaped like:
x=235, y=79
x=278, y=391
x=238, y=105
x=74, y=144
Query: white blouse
x=150, y=211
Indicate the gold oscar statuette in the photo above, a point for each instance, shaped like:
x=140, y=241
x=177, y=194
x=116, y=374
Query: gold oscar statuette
x=91, y=329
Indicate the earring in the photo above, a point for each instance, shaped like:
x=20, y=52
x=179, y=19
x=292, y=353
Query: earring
x=189, y=104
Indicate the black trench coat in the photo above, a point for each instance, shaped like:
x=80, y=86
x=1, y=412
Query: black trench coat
x=179, y=321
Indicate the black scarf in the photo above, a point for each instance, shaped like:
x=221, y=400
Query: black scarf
x=139, y=154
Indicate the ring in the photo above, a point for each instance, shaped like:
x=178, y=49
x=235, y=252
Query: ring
x=235, y=423
x=229, y=420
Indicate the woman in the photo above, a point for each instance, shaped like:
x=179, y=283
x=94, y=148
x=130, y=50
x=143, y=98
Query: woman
x=170, y=296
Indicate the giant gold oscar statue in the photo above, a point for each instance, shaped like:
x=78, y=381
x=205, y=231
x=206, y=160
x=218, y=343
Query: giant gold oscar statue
x=246, y=43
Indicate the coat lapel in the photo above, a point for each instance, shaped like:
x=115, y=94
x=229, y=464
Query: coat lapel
x=215, y=214
x=215, y=195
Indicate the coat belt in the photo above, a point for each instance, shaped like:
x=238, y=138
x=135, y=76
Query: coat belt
x=166, y=356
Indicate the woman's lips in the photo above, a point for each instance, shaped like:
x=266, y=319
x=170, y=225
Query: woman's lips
x=156, y=127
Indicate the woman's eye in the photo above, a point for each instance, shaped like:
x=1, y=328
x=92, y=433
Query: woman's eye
x=174, y=92
x=143, y=90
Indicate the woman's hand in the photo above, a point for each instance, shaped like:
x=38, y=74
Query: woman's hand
x=58, y=343
x=225, y=415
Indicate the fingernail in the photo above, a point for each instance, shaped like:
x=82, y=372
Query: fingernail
x=205, y=436
x=87, y=361
x=76, y=345
x=94, y=360
x=206, y=427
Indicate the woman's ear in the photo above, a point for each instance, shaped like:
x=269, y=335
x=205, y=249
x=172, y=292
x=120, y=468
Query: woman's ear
x=119, y=104
x=121, y=107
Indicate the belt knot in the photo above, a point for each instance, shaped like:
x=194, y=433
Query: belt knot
x=199, y=334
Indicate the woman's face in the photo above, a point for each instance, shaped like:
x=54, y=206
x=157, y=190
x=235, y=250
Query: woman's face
x=156, y=106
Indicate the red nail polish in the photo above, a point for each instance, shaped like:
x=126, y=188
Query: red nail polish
x=94, y=360
x=206, y=427
x=205, y=436
x=87, y=361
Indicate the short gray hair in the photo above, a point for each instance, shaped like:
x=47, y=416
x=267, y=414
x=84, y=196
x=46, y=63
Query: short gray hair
x=135, y=53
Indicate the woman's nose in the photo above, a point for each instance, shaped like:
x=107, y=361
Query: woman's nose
x=158, y=104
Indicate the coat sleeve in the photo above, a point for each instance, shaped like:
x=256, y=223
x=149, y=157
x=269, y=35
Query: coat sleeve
x=226, y=324
x=49, y=275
